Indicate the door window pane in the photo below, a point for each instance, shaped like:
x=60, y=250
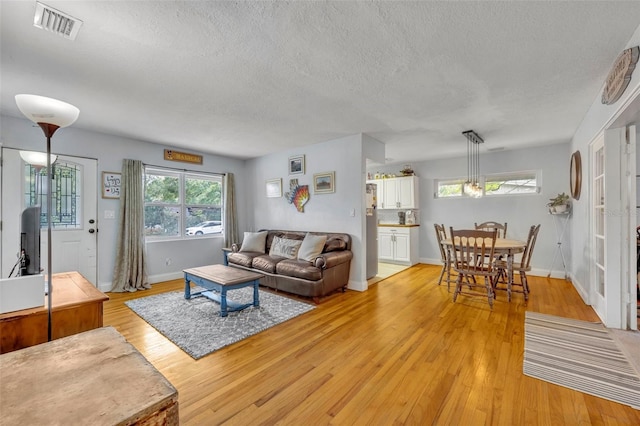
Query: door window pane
x=66, y=194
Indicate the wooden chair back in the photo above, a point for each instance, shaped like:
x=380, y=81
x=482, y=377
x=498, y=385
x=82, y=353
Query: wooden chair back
x=473, y=251
x=441, y=235
x=490, y=226
x=528, y=250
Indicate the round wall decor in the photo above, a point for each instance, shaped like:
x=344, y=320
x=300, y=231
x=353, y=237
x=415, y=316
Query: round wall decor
x=575, y=175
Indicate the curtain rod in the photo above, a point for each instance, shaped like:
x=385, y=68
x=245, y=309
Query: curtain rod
x=182, y=170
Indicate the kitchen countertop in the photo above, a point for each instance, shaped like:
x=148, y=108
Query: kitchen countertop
x=397, y=225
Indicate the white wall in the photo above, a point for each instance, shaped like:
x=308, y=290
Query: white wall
x=341, y=211
x=110, y=151
x=519, y=211
x=596, y=120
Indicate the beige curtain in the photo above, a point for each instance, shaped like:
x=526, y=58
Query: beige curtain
x=130, y=271
x=230, y=215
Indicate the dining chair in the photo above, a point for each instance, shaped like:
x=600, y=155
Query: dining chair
x=473, y=254
x=521, y=267
x=490, y=226
x=445, y=255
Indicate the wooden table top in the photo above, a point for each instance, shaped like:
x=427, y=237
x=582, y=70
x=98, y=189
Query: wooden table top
x=92, y=378
x=225, y=275
x=69, y=289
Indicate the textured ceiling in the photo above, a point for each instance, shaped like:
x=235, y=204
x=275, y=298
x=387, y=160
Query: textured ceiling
x=245, y=79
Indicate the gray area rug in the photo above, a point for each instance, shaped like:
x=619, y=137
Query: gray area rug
x=195, y=326
x=579, y=355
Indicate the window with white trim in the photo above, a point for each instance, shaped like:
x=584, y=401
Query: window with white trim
x=448, y=188
x=181, y=204
x=496, y=184
x=511, y=183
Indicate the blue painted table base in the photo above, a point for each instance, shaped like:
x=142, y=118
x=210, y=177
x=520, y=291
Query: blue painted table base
x=218, y=292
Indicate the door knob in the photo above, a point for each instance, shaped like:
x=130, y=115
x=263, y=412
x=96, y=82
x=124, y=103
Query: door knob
x=91, y=231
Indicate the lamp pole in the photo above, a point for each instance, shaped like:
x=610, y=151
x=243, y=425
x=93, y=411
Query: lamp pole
x=49, y=130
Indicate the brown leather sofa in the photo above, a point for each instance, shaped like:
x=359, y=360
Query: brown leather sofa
x=327, y=272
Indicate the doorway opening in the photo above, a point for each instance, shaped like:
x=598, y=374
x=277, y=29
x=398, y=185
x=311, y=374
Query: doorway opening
x=385, y=270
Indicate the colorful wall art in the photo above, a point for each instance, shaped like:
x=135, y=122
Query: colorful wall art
x=298, y=195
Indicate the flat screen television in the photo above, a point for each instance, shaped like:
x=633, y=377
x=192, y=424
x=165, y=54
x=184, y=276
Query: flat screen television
x=30, y=241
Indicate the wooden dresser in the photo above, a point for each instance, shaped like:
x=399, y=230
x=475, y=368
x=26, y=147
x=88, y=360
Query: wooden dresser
x=91, y=378
x=76, y=307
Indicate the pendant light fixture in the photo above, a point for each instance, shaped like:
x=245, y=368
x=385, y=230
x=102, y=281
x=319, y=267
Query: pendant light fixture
x=472, y=186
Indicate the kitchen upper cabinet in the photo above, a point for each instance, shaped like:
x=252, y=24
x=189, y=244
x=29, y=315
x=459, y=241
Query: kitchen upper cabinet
x=397, y=193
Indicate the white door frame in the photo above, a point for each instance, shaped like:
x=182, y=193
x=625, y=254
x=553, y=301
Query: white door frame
x=597, y=262
x=629, y=311
x=613, y=307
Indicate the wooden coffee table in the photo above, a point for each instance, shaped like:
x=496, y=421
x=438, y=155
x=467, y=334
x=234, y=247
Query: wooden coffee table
x=217, y=280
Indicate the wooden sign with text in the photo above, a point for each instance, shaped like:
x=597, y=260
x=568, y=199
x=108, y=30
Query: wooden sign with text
x=185, y=157
x=620, y=75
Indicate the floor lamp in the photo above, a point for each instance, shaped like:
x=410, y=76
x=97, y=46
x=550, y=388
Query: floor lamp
x=50, y=115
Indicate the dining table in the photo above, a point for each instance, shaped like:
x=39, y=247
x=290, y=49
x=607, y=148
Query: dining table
x=503, y=246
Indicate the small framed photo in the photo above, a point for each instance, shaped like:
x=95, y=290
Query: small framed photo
x=324, y=183
x=274, y=188
x=296, y=165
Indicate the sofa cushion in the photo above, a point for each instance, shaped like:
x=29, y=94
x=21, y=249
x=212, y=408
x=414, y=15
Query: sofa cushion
x=244, y=258
x=311, y=247
x=334, y=244
x=254, y=241
x=266, y=263
x=299, y=269
x=284, y=247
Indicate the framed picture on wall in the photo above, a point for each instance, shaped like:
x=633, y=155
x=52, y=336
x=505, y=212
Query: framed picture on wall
x=274, y=188
x=111, y=184
x=324, y=183
x=296, y=165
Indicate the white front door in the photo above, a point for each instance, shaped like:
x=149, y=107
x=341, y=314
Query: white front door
x=74, y=245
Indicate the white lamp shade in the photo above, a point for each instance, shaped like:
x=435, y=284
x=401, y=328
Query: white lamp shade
x=40, y=109
x=37, y=159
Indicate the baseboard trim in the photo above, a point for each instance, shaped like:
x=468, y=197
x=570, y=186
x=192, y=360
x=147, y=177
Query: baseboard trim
x=154, y=279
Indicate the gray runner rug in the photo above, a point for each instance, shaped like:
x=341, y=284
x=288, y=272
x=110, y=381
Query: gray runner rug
x=195, y=326
x=579, y=355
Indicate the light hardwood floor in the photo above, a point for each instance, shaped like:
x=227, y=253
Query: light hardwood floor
x=400, y=353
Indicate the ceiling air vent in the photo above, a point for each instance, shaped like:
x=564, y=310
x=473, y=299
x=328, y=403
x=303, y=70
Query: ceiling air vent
x=55, y=21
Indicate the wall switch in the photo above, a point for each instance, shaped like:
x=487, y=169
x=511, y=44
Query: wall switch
x=352, y=213
x=109, y=214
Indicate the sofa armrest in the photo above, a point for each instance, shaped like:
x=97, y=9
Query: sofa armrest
x=331, y=259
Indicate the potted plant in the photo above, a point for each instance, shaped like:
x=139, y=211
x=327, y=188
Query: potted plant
x=559, y=204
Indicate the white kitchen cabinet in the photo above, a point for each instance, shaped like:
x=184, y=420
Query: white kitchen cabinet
x=397, y=193
x=398, y=244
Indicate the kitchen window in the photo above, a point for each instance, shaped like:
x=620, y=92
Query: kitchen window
x=496, y=184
